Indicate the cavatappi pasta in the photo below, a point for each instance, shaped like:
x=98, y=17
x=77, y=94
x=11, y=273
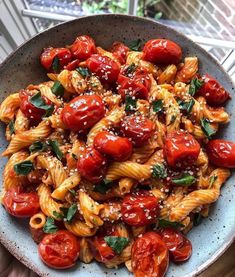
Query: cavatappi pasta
x=114, y=154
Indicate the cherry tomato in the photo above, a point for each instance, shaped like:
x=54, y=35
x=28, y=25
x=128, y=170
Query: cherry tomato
x=183, y=252
x=181, y=149
x=172, y=238
x=162, y=51
x=72, y=65
x=83, y=47
x=105, y=68
x=135, y=83
x=83, y=112
x=221, y=152
x=139, y=208
x=101, y=250
x=37, y=234
x=59, y=250
x=138, y=128
x=33, y=113
x=92, y=165
x=212, y=91
x=118, y=148
x=120, y=51
x=48, y=55
x=21, y=204
x=149, y=256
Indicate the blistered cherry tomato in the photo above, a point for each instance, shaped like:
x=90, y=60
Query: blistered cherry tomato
x=83, y=47
x=120, y=51
x=33, y=113
x=181, y=149
x=138, y=128
x=48, y=55
x=162, y=51
x=134, y=83
x=183, y=252
x=72, y=65
x=92, y=165
x=59, y=250
x=117, y=148
x=221, y=152
x=212, y=91
x=139, y=208
x=102, y=251
x=21, y=204
x=83, y=112
x=149, y=256
x=105, y=68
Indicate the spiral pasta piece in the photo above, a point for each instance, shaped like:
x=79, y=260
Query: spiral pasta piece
x=9, y=107
x=188, y=71
x=21, y=122
x=80, y=229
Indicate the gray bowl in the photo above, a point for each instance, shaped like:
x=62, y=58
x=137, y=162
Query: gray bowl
x=213, y=236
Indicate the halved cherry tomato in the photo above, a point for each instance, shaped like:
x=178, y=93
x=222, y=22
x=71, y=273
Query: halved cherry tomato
x=162, y=51
x=136, y=83
x=48, y=55
x=33, y=113
x=59, y=250
x=181, y=149
x=83, y=47
x=83, y=112
x=138, y=128
x=92, y=165
x=183, y=252
x=101, y=250
x=149, y=256
x=221, y=152
x=105, y=68
x=120, y=51
x=21, y=204
x=139, y=208
x=117, y=148
x=212, y=91
x=72, y=65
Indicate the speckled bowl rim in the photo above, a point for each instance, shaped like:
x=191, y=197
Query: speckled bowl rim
x=10, y=247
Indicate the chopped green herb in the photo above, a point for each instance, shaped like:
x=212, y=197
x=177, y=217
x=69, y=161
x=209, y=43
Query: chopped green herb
x=37, y=146
x=117, y=243
x=135, y=45
x=163, y=223
x=74, y=156
x=66, y=214
x=173, y=118
x=131, y=68
x=55, y=148
x=159, y=171
x=57, y=89
x=212, y=180
x=206, y=128
x=186, y=106
x=197, y=219
x=72, y=191
x=39, y=102
x=185, y=180
x=23, y=168
x=55, y=65
x=103, y=186
x=50, y=227
x=195, y=85
x=58, y=215
x=84, y=71
x=157, y=105
x=11, y=127
x=130, y=103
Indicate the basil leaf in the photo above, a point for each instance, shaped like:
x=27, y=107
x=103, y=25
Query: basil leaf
x=130, y=103
x=159, y=171
x=187, y=106
x=173, y=118
x=55, y=66
x=117, y=243
x=84, y=71
x=135, y=45
x=206, y=128
x=195, y=85
x=212, y=180
x=37, y=146
x=72, y=191
x=50, y=227
x=55, y=148
x=57, y=89
x=39, y=102
x=185, y=180
x=11, y=126
x=157, y=105
x=103, y=186
x=163, y=223
x=58, y=215
x=71, y=212
x=74, y=156
x=131, y=69
x=23, y=168
x=197, y=219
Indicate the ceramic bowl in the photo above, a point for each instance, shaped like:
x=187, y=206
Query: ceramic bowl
x=213, y=236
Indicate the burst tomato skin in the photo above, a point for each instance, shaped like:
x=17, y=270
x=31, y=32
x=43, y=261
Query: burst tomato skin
x=183, y=252
x=162, y=51
x=21, y=204
x=138, y=128
x=181, y=149
x=104, y=68
x=48, y=55
x=72, y=65
x=83, y=112
x=59, y=250
x=92, y=165
x=115, y=147
x=83, y=47
x=120, y=51
x=221, y=152
x=136, y=83
x=212, y=91
x=150, y=257
x=139, y=208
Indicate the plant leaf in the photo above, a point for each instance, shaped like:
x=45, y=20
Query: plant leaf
x=37, y=101
x=159, y=171
x=157, y=105
x=50, y=227
x=185, y=180
x=163, y=223
x=57, y=89
x=197, y=219
x=74, y=156
x=117, y=243
x=131, y=69
x=55, y=66
x=71, y=212
x=23, y=168
x=11, y=126
x=187, y=106
x=206, y=128
x=135, y=45
x=173, y=118
x=58, y=215
x=84, y=71
x=195, y=85
x=55, y=148
x=212, y=180
x=72, y=191
x=103, y=186
x=37, y=146
x=130, y=103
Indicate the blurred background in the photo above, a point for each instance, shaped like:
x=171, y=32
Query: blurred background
x=210, y=23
